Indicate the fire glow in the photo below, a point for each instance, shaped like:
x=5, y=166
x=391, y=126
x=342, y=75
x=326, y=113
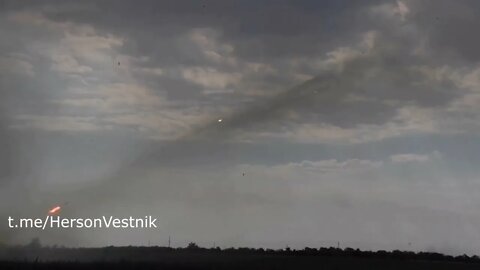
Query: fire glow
x=54, y=210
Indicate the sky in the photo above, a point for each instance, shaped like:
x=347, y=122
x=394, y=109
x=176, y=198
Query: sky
x=244, y=123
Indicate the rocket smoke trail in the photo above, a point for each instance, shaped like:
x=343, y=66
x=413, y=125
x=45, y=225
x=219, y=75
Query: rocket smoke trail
x=269, y=112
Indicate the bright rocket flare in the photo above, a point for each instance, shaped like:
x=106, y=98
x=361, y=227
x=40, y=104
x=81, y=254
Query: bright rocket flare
x=54, y=210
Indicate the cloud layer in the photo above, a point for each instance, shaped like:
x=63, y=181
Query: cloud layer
x=367, y=108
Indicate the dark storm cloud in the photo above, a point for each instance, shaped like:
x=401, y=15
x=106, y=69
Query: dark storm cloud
x=276, y=66
x=267, y=32
x=262, y=30
x=450, y=26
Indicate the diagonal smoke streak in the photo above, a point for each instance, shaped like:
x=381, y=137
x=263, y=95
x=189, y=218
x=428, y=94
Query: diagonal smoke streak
x=213, y=133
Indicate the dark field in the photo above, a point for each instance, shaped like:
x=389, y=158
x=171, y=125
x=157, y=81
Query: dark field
x=243, y=258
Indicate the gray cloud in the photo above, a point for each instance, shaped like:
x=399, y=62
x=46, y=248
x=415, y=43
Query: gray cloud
x=114, y=106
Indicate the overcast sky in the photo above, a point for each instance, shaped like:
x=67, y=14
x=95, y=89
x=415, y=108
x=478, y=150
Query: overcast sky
x=341, y=121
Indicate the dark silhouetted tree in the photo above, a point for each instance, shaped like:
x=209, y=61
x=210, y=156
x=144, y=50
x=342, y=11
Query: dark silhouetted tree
x=192, y=245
